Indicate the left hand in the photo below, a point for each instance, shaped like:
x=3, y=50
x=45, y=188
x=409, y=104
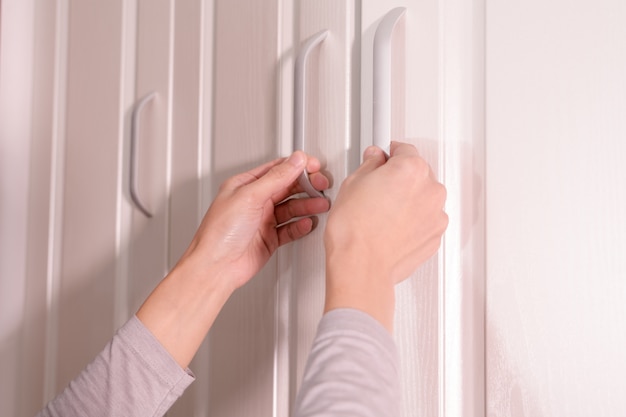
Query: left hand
x=252, y=215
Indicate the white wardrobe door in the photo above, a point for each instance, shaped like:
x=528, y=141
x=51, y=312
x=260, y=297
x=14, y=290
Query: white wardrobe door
x=556, y=206
x=414, y=119
x=437, y=96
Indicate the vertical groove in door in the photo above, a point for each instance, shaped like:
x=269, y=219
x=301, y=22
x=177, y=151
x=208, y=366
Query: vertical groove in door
x=286, y=50
x=123, y=225
x=204, y=169
x=57, y=181
x=168, y=151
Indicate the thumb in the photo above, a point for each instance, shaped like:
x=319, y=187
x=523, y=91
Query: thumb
x=275, y=184
x=373, y=157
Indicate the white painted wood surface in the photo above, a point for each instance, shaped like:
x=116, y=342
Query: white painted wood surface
x=556, y=206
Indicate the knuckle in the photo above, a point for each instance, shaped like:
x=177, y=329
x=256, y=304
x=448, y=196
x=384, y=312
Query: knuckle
x=440, y=193
x=280, y=172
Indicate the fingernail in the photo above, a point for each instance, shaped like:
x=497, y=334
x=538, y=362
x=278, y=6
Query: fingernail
x=297, y=159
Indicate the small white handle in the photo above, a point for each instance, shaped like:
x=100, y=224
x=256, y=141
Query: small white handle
x=299, y=111
x=382, y=79
x=134, y=152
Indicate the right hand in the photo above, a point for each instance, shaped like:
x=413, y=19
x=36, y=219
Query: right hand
x=388, y=215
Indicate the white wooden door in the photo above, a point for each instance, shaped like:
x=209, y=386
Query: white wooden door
x=556, y=207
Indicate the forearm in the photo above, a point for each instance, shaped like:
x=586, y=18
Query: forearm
x=132, y=376
x=182, y=308
x=353, y=369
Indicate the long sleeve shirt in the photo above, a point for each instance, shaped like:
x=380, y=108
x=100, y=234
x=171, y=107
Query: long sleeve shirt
x=352, y=370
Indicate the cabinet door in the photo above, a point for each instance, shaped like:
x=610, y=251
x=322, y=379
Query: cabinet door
x=437, y=105
x=556, y=207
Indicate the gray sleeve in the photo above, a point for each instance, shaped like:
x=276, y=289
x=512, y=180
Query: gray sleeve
x=353, y=369
x=133, y=376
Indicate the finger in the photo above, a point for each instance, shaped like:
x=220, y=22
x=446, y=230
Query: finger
x=319, y=181
x=401, y=148
x=294, y=230
x=300, y=207
x=252, y=175
x=312, y=164
x=276, y=183
x=373, y=157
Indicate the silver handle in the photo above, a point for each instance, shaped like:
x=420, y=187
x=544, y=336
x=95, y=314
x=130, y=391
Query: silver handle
x=134, y=152
x=299, y=111
x=382, y=78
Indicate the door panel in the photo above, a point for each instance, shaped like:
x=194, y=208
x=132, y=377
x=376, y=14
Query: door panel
x=241, y=342
x=91, y=169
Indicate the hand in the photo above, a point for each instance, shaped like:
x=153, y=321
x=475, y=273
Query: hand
x=387, y=220
x=246, y=222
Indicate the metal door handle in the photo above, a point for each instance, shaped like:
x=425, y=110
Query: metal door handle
x=382, y=78
x=134, y=152
x=299, y=112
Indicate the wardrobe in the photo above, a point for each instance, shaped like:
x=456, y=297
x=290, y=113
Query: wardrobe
x=140, y=109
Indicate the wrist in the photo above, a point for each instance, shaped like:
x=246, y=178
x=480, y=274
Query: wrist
x=183, y=307
x=352, y=281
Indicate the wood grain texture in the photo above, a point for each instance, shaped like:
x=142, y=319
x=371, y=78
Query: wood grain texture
x=241, y=342
x=556, y=204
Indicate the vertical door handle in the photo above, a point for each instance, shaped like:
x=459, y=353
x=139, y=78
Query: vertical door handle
x=382, y=79
x=299, y=111
x=134, y=152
